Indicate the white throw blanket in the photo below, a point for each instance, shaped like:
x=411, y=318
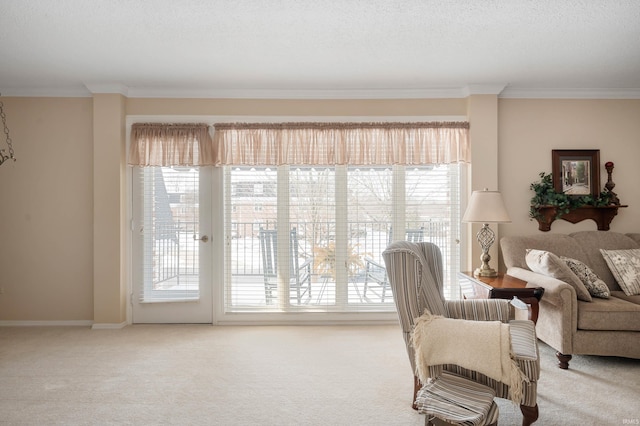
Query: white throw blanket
x=482, y=346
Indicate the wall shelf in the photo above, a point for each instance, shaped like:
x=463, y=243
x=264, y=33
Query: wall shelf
x=602, y=216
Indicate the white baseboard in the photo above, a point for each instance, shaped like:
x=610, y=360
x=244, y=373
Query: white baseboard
x=71, y=323
x=108, y=326
x=75, y=323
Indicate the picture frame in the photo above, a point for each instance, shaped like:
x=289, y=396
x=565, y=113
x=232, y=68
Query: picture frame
x=576, y=172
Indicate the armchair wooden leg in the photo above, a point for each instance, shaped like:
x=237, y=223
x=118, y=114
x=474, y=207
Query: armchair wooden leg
x=416, y=387
x=530, y=414
x=563, y=360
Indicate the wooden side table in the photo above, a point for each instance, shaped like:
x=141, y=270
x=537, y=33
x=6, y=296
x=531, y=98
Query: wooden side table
x=501, y=287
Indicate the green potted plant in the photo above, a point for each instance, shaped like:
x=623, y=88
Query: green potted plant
x=545, y=195
x=548, y=205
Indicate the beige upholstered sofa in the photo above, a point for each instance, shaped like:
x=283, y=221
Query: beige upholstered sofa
x=569, y=325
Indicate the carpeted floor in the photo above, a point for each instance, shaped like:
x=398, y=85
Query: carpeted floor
x=271, y=375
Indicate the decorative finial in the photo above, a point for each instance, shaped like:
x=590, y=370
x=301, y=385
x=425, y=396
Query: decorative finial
x=613, y=198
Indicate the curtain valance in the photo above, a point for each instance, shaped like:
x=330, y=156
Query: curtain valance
x=325, y=144
x=330, y=144
x=161, y=144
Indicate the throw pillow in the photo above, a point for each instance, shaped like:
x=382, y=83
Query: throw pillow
x=595, y=286
x=547, y=263
x=625, y=267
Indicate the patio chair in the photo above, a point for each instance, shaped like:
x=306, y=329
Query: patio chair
x=375, y=274
x=416, y=277
x=411, y=235
x=299, y=274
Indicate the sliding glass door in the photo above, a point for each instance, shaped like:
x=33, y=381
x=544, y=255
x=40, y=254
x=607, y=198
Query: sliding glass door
x=326, y=227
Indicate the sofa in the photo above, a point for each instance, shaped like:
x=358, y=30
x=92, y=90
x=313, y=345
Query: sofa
x=567, y=321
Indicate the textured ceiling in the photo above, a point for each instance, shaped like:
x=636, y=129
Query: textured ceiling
x=266, y=47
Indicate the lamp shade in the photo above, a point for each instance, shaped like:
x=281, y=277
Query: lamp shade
x=486, y=207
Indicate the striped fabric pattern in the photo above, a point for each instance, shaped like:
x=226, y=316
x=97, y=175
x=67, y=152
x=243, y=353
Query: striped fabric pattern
x=529, y=393
x=458, y=401
x=416, y=278
x=479, y=309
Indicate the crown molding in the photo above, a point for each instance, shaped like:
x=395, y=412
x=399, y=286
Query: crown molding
x=107, y=88
x=46, y=92
x=501, y=90
x=482, y=89
x=435, y=93
x=533, y=93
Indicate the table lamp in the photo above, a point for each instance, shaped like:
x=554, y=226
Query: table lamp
x=486, y=207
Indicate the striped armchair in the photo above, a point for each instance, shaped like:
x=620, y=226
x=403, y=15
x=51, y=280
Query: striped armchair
x=415, y=274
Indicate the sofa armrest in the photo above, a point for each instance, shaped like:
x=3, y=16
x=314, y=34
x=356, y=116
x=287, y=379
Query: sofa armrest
x=479, y=309
x=558, y=317
x=556, y=292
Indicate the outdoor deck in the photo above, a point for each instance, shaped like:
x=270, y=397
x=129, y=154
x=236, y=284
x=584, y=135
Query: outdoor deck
x=175, y=264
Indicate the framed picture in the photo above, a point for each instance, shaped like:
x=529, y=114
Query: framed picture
x=576, y=172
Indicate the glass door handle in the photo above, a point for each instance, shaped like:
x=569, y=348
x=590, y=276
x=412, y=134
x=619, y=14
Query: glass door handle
x=204, y=238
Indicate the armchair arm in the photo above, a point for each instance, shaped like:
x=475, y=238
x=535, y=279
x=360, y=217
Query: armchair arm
x=374, y=271
x=304, y=271
x=479, y=309
x=372, y=262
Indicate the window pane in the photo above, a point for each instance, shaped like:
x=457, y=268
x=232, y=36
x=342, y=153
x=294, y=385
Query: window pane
x=433, y=211
x=319, y=233
x=312, y=207
x=170, y=221
x=370, y=215
x=252, y=208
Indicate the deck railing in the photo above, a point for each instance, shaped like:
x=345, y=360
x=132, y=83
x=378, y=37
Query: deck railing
x=175, y=247
x=175, y=251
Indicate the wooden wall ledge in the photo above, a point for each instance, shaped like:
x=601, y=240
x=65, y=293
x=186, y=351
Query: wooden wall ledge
x=602, y=216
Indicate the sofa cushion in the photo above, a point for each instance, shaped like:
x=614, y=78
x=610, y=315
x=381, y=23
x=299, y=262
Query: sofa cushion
x=591, y=243
x=635, y=237
x=611, y=314
x=620, y=295
x=547, y=263
x=514, y=249
x=595, y=286
x=625, y=267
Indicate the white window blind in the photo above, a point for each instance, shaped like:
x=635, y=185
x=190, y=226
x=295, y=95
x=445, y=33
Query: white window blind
x=330, y=226
x=309, y=208
x=170, y=211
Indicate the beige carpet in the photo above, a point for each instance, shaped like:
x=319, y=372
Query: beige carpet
x=304, y=375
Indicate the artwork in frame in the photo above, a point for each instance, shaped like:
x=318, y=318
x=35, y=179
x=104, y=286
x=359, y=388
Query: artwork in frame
x=576, y=172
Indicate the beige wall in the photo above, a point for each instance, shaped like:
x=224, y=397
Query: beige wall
x=530, y=129
x=62, y=212
x=46, y=196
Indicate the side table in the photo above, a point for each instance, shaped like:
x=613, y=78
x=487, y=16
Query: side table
x=501, y=287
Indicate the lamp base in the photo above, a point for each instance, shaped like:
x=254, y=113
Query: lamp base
x=490, y=272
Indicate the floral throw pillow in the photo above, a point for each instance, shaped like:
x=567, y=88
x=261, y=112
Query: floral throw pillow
x=625, y=267
x=595, y=286
x=547, y=263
